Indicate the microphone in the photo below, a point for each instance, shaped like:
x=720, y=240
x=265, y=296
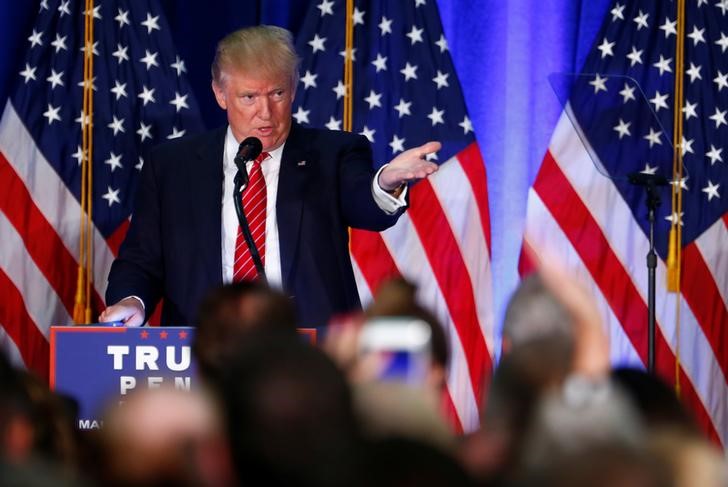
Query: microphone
x=641, y=179
x=248, y=150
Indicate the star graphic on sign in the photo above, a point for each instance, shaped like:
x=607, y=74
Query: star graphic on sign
x=114, y=161
x=326, y=7
x=147, y=95
x=694, y=72
x=176, y=134
x=403, y=107
x=442, y=43
x=441, y=79
x=654, y=137
x=59, y=43
x=599, y=83
x=35, y=39
x=467, y=125
x=357, y=17
x=622, y=128
x=660, y=101
x=151, y=23
x=436, y=116
x=719, y=117
x=333, y=124
x=178, y=65
x=301, y=115
x=179, y=101
x=368, y=133
x=385, y=25
x=373, y=99
x=674, y=218
x=119, y=89
x=339, y=89
x=94, y=49
x=163, y=335
x=346, y=54
x=690, y=110
x=122, y=18
x=663, y=65
x=380, y=62
x=144, y=334
x=149, y=59
x=145, y=131
x=182, y=335
x=687, y=147
x=721, y=80
x=635, y=56
x=722, y=42
x=121, y=53
x=606, y=48
x=112, y=196
x=140, y=164
x=617, y=12
x=397, y=144
x=52, y=114
x=649, y=169
x=117, y=125
x=28, y=73
x=641, y=20
x=714, y=154
x=697, y=35
x=63, y=8
x=317, y=43
x=670, y=27
x=309, y=80
x=409, y=72
x=78, y=155
x=415, y=35
x=627, y=93
x=711, y=190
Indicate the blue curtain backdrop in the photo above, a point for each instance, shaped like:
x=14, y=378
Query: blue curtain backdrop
x=503, y=52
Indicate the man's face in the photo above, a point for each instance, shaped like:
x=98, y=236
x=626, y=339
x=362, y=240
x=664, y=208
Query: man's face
x=256, y=106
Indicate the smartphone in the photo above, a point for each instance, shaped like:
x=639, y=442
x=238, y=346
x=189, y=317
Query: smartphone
x=402, y=348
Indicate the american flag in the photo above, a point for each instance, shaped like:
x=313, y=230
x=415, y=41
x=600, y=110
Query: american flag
x=406, y=92
x=618, y=119
x=140, y=98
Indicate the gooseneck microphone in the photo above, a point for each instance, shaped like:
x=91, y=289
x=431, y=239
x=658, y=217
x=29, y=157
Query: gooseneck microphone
x=248, y=150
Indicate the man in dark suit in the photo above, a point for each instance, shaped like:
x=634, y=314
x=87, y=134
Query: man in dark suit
x=184, y=237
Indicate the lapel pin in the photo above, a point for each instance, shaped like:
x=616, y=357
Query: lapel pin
x=301, y=163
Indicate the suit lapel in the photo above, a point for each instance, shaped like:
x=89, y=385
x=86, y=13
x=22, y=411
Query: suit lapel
x=296, y=167
x=207, y=179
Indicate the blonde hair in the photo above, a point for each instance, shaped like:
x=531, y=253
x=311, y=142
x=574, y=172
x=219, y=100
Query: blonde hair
x=264, y=49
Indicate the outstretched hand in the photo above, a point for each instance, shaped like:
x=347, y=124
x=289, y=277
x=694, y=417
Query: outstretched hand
x=409, y=166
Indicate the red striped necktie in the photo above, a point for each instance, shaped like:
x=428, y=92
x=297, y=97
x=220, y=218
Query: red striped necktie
x=254, y=207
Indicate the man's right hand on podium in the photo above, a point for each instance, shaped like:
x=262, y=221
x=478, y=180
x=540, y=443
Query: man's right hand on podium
x=129, y=311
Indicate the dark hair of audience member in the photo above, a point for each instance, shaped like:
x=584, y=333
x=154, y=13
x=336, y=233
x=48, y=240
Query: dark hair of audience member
x=406, y=462
x=229, y=312
x=289, y=414
x=654, y=400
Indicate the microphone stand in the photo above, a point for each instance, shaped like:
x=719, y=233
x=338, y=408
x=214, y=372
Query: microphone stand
x=241, y=180
x=650, y=183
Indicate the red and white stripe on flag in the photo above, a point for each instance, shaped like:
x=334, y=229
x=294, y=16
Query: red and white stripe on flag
x=39, y=229
x=577, y=215
x=442, y=244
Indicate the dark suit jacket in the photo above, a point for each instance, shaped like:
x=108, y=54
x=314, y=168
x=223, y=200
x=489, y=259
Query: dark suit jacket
x=174, y=244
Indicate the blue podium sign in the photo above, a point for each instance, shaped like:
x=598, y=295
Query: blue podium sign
x=99, y=364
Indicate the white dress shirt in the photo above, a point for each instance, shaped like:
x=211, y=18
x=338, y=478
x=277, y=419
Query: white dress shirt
x=271, y=168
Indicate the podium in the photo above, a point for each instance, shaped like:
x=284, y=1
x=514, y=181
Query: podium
x=99, y=365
